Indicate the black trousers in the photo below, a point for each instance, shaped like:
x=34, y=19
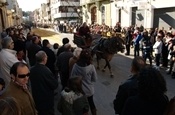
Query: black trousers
x=145, y=56
x=157, y=59
x=136, y=50
x=91, y=103
x=128, y=49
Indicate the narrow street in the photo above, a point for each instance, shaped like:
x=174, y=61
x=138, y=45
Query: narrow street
x=106, y=87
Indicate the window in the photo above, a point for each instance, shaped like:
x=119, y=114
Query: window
x=103, y=14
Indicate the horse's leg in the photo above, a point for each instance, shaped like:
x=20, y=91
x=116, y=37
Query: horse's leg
x=109, y=67
x=98, y=67
x=105, y=66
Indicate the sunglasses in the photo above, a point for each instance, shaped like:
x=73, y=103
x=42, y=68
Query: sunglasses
x=24, y=75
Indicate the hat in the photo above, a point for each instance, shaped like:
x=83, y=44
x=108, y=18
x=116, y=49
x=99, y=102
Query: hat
x=77, y=52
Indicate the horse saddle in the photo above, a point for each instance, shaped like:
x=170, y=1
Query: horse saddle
x=103, y=43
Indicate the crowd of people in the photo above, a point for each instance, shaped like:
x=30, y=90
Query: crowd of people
x=24, y=59
x=30, y=69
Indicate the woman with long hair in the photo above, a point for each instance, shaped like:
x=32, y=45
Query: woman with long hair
x=84, y=68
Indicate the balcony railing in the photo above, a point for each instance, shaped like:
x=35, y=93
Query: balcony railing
x=90, y=1
x=63, y=3
x=59, y=15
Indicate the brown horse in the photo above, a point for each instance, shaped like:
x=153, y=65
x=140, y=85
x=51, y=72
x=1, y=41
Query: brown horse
x=106, y=48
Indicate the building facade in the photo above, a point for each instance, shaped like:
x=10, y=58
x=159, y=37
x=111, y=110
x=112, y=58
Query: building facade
x=97, y=11
x=64, y=10
x=149, y=13
x=14, y=13
x=3, y=13
x=43, y=14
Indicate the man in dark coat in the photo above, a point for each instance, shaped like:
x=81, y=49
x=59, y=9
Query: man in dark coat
x=43, y=84
x=51, y=56
x=128, y=41
x=130, y=87
x=61, y=49
x=63, y=64
x=32, y=50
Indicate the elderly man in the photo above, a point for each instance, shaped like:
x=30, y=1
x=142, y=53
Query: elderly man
x=43, y=84
x=63, y=64
x=7, y=59
x=18, y=89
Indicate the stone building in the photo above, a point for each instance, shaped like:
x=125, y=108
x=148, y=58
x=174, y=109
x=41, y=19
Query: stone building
x=64, y=10
x=97, y=11
x=3, y=13
x=149, y=13
x=14, y=13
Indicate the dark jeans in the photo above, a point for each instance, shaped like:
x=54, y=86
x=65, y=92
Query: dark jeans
x=171, y=65
x=136, y=50
x=157, y=59
x=145, y=56
x=91, y=103
x=128, y=49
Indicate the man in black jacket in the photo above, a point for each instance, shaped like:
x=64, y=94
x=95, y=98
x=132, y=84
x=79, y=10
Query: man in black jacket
x=63, y=64
x=128, y=41
x=51, y=56
x=130, y=87
x=43, y=84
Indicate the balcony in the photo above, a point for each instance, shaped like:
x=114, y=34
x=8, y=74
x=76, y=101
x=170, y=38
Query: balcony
x=63, y=3
x=83, y=2
x=61, y=15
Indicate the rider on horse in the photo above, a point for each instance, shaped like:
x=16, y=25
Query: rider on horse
x=84, y=30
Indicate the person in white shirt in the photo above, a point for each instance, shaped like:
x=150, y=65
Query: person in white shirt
x=7, y=59
x=158, y=50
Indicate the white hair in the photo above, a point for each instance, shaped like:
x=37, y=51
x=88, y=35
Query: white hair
x=77, y=52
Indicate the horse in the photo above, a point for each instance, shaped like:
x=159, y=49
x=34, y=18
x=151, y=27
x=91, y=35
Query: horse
x=106, y=48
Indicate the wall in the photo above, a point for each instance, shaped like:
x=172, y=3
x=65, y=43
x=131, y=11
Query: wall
x=164, y=17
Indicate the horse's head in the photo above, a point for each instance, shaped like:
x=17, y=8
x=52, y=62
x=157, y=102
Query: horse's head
x=118, y=43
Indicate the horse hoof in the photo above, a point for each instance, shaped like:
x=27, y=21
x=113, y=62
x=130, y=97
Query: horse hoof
x=98, y=68
x=103, y=70
x=112, y=75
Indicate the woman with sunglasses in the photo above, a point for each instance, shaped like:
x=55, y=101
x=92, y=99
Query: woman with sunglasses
x=18, y=88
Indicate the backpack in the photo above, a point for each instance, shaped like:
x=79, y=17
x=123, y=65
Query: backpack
x=170, y=109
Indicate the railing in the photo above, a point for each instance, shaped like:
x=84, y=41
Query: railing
x=58, y=15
